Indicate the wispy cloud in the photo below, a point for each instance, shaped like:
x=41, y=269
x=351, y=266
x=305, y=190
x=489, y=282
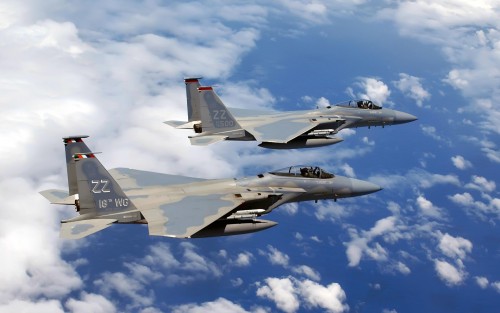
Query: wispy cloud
x=411, y=87
x=460, y=162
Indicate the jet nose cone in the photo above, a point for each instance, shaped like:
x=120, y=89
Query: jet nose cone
x=402, y=117
x=360, y=187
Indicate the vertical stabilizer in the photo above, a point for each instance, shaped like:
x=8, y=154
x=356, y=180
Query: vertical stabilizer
x=98, y=192
x=72, y=146
x=193, y=98
x=215, y=117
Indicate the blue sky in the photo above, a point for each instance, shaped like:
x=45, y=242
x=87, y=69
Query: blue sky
x=113, y=70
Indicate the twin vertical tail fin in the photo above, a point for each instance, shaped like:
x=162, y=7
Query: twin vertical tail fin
x=207, y=115
x=215, y=117
x=72, y=146
x=98, y=192
x=193, y=106
x=193, y=98
x=98, y=198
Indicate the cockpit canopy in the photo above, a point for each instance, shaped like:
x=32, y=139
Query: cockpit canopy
x=360, y=104
x=303, y=171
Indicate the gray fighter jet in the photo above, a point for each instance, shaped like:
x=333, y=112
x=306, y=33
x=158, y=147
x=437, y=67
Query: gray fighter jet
x=213, y=121
x=185, y=207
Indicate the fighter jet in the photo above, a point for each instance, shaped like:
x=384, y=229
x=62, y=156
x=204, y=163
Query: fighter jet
x=213, y=121
x=185, y=207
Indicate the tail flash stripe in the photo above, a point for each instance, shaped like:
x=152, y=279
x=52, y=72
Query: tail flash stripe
x=83, y=156
x=204, y=88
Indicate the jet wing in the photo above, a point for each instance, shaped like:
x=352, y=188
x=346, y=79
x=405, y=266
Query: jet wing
x=239, y=113
x=280, y=130
x=185, y=217
x=130, y=179
x=348, y=121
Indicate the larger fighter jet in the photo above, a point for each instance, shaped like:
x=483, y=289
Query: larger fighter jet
x=213, y=121
x=185, y=207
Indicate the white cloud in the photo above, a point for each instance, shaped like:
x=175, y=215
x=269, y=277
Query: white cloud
x=41, y=306
x=161, y=255
x=243, y=259
x=359, y=244
x=427, y=208
x=298, y=236
x=276, y=257
x=159, y=265
x=450, y=274
x=368, y=141
x=332, y=211
x=467, y=34
x=307, y=99
x=194, y=262
x=489, y=148
x=316, y=239
x=307, y=271
x=403, y=268
x=90, y=303
x=317, y=12
x=322, y=102
x=220, y=305
x=496, y=286
x=463, y=199
x=331, y=297
x=382, y=226
x=481, y=281
x=142, y=273
x=372, y=89
x=245, y=95
x=481, y=209
x=281, y=291
x=290, y=208
x=482, y=184
x=289, y=293
x=431, y=131
x=29, y=237
x=126, y=286
x=411, y=87
x=237, y=282
x=454, y=247
x=460, y=162
x=348, y=170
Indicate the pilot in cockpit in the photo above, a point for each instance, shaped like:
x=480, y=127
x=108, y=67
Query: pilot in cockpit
x=305, y=172
x=310, y=172
x=365, y=104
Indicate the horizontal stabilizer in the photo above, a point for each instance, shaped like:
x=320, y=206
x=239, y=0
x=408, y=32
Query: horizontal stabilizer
x=80, y=229
x=206, y=140
x=182, y=124
x=175, y=124
x=57, y=196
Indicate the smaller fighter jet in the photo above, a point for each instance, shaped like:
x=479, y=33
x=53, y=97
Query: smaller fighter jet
x=212, y=121
x=185, y=207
